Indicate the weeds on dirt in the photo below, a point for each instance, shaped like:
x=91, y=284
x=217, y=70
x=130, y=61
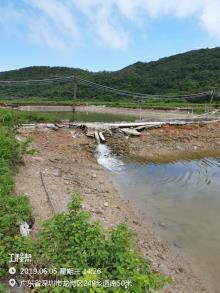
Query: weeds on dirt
x=66, y=241
x=12, y=208
x=13, y=117
x=70, y=240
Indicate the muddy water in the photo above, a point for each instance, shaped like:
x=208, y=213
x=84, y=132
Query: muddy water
x=87, y=116
x=181, y=199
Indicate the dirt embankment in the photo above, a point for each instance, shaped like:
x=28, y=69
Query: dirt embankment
x=170, y=142
x=66, y=161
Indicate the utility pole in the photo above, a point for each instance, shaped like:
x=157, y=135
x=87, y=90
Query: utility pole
x=74, y=92
x=212, y=97
x=74, y=87
x=140, y=110
x=211, y=100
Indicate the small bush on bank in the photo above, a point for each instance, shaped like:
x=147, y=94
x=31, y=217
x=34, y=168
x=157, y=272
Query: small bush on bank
x=6, y=179
x=71, y=241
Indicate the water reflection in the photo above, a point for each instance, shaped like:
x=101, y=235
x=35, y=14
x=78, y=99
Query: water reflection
x=87, y=116
x=185, y=195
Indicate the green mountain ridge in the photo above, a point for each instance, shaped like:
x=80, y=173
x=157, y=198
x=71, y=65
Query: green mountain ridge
x=190, y=72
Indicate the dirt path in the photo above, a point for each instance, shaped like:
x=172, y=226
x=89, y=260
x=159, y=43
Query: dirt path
x=66, y=160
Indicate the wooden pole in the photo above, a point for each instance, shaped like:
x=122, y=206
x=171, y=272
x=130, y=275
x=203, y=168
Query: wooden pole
x=212, y=97
x=211, y=100
x=97, y=137
x=74, y=93
x=140, y=110
x=102, y=137
x=75, y=87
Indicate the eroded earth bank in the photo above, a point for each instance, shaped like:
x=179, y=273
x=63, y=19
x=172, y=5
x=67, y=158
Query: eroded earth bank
x=64, y=161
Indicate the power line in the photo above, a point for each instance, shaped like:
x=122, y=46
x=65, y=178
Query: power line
x=89, y=84
x=35, y=81
x=68, y=78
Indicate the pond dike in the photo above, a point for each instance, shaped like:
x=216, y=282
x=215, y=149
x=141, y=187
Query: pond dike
x=98, y=130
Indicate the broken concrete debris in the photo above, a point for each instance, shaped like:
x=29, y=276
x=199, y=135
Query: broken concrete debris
x=24, y=229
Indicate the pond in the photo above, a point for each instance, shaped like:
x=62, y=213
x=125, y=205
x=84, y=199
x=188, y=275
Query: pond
x=86, y=116
x=181, y=198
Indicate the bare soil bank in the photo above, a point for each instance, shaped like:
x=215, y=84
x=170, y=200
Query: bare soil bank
x=170, y=142
x=66, y=161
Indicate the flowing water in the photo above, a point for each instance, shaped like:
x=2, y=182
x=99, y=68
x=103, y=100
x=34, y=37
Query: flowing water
x=182, y=198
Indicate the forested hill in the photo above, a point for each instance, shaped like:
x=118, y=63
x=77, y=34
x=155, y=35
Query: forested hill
x=189, y=72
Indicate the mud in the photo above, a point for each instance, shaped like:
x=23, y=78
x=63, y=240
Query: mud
x=170, y=143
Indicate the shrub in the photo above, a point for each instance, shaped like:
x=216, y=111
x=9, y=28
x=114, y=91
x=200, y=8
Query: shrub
x=6, y=180
x=72, y=241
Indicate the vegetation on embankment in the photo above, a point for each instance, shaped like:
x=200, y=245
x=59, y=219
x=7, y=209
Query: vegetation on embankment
x=68, y=240
x=186, y=73
x=156, y=104
x=12, y=208
x=14, y=116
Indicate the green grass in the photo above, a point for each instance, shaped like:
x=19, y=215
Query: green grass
x=151, y=103
x=68, y=240
x=10, y=117
x=26, y=116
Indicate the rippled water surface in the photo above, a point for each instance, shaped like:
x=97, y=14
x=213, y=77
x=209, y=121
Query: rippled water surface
x=183, y=197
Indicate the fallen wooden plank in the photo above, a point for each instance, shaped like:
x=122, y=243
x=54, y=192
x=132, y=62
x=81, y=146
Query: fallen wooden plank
x=97, y=137
x=98, y=126
x=132, y=124
x=149, y=126
x=102, y=137
x=130, y=131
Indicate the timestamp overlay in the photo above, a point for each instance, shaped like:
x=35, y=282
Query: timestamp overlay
x=24, y=273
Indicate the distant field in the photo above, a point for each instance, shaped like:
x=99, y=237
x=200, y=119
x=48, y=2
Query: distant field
x=150, y=103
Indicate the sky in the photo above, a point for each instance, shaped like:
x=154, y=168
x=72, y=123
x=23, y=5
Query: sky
x=103, y=34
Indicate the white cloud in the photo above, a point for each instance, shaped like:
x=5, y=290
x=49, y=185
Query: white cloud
x=138, y=11
x=109, y=32
x=68, y=23
x=105, y=23
x=58, y=13
x=52, y=23
x=206, y=11
x=43, y=34
x=210, y=17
